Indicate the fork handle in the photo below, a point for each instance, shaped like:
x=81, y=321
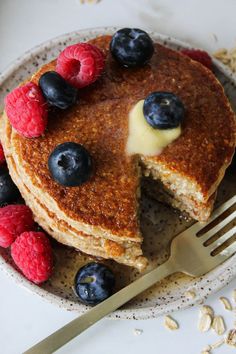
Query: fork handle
x=62, y=336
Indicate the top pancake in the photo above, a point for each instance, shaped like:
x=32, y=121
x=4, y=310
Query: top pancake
x=99, y=121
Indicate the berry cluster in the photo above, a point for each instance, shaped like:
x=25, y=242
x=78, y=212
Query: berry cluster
x=27, y=109
x=30, y=250
x=78, y=65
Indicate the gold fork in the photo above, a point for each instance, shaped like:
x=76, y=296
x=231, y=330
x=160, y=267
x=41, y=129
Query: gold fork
x=196, y=251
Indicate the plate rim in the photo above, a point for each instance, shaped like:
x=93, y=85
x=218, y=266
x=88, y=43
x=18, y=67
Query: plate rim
x=137, y=313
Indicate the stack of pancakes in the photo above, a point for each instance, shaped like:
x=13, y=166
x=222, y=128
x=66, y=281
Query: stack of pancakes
x=101, y=217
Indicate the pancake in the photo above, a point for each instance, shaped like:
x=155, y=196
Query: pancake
x=101, y=217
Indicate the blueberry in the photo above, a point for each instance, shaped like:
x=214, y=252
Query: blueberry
x=131, y=47
x=163, y=110
x=8, y=190
x=57, y=91
x=94, y=283
x=70, y=164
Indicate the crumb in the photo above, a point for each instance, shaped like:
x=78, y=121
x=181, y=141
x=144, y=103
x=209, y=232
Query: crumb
x=138, y=331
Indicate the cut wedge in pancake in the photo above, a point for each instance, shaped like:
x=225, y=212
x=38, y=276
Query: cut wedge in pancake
x=101, y=216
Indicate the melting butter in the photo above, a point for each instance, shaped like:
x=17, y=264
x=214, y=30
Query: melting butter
x=145, y=140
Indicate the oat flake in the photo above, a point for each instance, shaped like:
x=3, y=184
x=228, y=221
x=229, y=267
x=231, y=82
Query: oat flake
x=170, y=323
x=204, y=323
x=231, y=338
x=218, y=325
x=217, y=344
x=190, y=294
x=226, y=303
x=234, y=295
x=206, y=350
x=206, y=310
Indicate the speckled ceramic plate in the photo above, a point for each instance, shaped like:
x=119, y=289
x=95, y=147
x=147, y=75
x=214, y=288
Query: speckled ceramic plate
x=159, y=223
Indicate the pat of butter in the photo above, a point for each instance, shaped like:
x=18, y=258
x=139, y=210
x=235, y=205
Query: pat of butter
x=145, y=140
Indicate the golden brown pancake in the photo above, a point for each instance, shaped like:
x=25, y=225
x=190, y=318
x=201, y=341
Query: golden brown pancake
x=101, y=217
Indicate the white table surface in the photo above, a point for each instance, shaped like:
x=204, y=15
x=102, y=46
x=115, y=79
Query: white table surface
x=26, y=318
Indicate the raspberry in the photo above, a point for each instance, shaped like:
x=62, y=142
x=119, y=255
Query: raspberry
x=199, y=55
x=2, y=156
x=80, y=64
x=32, y=253
x=26, y=109
x=14, y=219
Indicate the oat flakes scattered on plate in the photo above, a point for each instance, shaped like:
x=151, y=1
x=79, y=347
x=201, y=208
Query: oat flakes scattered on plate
x=227, y=57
